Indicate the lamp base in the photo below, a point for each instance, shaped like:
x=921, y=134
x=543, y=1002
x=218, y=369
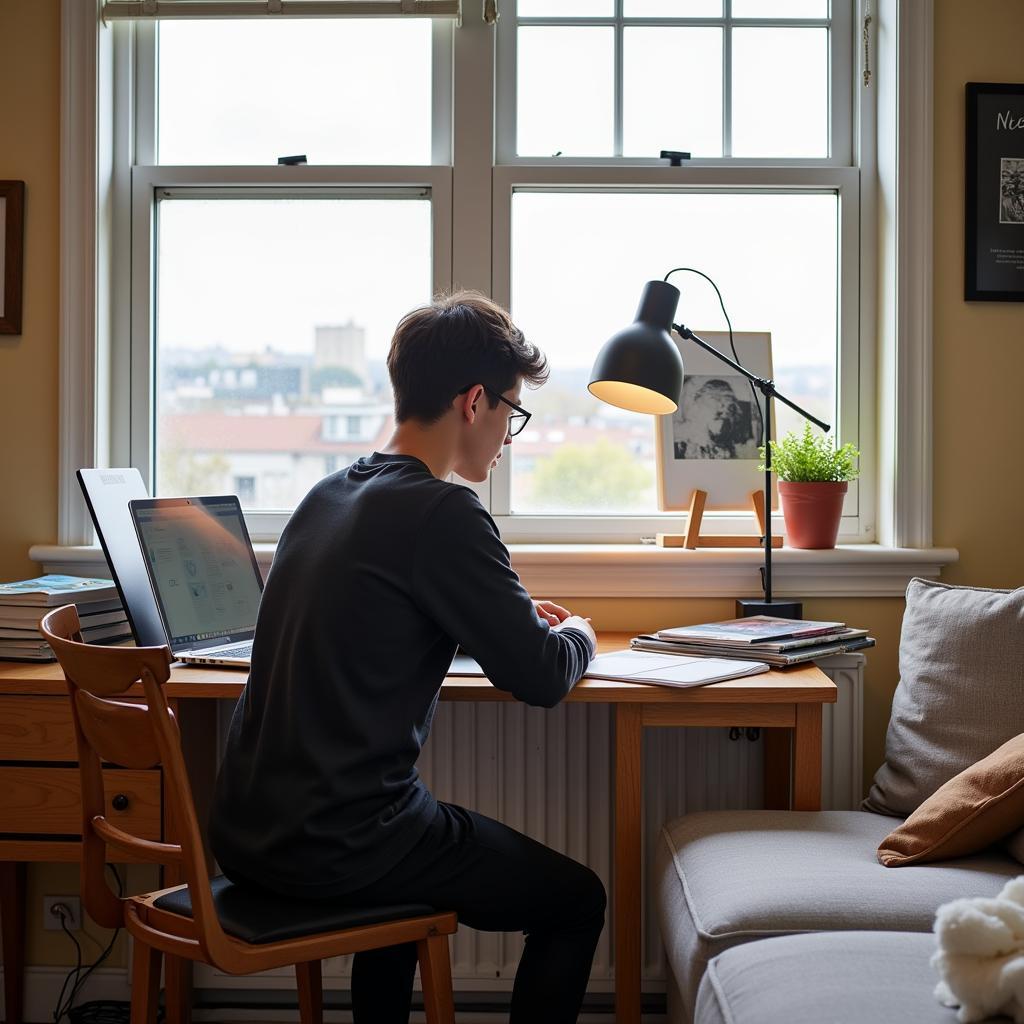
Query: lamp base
x=759, y=606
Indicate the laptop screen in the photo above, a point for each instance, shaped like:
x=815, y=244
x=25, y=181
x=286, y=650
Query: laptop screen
x=203, y=568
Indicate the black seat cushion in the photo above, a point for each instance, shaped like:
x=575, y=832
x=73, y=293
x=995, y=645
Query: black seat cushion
x=258, y=916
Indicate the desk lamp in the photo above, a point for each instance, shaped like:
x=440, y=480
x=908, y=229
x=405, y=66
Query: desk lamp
x=640, y=369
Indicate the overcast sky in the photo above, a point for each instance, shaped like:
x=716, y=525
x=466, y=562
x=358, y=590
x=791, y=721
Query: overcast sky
x=251, y=274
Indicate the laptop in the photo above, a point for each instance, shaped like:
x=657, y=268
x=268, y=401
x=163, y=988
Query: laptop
x=107, y=493
x=204, y=576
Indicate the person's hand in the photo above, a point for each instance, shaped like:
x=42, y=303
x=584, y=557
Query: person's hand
x=580, y=623
x=551, y=613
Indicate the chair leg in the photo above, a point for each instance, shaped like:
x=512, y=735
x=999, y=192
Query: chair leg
x=436, y=979
x=145, y=983
x=311, y=992
x=178, y=990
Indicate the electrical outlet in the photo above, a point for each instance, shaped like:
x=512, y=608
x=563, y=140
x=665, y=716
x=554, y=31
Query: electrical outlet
x=72, y=913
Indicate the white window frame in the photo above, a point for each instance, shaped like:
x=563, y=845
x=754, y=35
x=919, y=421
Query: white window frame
x=838, y=174
x=132, y=410
x=150, y=180
x=154, y=184
x=840, y=84
x=896, y=242
x=854, y=402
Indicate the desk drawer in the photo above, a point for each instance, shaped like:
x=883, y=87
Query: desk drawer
x=45, y=801
x=36, y=729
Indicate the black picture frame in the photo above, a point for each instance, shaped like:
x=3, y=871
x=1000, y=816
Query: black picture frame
x=994, y=201
x=12, y=197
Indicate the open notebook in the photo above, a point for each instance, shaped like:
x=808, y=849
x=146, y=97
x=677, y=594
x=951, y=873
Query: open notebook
x=643, y=667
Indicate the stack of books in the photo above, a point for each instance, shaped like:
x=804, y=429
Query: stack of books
x=775, y=641
x=25, y=602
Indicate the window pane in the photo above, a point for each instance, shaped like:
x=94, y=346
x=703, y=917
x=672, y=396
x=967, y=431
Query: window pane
x=780, y=8
x=580, y=455
x=565, y=94
x=340, y=91
x=672, y=8
x=273, y=322
x=780, y=91
x=565, y=8
x=664, y=108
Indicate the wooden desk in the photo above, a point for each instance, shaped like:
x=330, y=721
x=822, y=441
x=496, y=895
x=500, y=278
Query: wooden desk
x=786, y=704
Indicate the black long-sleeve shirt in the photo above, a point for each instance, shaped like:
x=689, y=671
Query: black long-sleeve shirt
x=382, y=570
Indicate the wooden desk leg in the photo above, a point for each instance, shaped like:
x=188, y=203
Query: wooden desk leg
x=776, y=768
x=628, y=770
x=807, y=758
x=12, y=920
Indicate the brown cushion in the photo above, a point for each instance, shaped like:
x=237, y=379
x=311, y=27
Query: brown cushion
x=982, y=804
x=1014, y=846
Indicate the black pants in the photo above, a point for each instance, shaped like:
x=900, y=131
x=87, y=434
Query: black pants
x=495, y=879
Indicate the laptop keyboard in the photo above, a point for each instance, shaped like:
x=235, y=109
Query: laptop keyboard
x=239, y=651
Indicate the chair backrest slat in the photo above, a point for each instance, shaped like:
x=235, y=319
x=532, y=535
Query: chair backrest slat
x=119, y=732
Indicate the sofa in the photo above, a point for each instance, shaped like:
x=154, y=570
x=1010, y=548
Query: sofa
x=789, y=916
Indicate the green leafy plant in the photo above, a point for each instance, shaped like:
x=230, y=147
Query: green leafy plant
x=812, y=457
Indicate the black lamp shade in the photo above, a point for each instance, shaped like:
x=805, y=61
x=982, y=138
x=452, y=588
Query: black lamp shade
x=640, y=368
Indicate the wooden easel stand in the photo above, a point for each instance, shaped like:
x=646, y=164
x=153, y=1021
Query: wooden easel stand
x=692, y=538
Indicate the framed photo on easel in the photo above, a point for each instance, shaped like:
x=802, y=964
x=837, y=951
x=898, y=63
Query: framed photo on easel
x=710, y=443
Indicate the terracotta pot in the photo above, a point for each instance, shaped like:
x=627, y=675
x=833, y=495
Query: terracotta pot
x=812, y=511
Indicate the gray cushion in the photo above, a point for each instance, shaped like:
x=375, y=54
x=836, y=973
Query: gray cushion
x=959, y=694
x=857, y=978
x=723, y=878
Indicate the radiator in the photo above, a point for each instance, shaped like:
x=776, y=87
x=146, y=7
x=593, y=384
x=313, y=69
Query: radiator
x=548, y=773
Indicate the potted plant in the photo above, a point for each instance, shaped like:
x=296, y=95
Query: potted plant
x=813, y=480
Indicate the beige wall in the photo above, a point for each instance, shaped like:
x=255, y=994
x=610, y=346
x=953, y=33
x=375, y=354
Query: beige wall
x=979, y=346
x=979, y=360
x=29, y=151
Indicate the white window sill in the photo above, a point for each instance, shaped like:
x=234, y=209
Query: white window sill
x=639, y=570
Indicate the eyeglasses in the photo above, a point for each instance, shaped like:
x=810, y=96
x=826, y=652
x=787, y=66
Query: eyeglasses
x=517, y=419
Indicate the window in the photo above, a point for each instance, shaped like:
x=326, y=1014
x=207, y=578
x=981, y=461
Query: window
x=272, y=324
x=263, y=297
x=713, y=78
x=585, y=212
x=581, y=454
x=245, y=488
x=340, y=92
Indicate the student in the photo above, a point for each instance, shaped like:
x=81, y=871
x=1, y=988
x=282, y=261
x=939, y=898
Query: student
x=382, y=570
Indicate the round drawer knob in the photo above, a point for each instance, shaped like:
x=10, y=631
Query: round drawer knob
x=120, y=802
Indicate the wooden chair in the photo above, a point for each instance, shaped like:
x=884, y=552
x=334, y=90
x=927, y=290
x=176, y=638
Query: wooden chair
x=237, y=929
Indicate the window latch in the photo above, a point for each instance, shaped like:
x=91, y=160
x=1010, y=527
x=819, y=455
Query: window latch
x=675, y=157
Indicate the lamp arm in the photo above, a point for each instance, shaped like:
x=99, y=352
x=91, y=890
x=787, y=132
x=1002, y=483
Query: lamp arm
x=766, y=387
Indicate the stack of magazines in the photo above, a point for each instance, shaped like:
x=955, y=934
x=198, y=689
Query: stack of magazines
x=24, y=602
x=775, y=641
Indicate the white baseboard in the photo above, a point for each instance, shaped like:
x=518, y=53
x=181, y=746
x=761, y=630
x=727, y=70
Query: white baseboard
x=42, y=986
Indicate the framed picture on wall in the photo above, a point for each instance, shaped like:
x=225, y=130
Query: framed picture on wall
x=12, y=236
x=711, y=441
x=994, y=206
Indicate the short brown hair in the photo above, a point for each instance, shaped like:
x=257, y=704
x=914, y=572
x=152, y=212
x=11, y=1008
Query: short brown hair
x=457, y=341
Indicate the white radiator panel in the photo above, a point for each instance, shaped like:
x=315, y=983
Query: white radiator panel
x=549, y=773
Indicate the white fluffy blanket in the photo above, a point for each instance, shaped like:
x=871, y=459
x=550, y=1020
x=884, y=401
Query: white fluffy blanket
x=980, y=958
